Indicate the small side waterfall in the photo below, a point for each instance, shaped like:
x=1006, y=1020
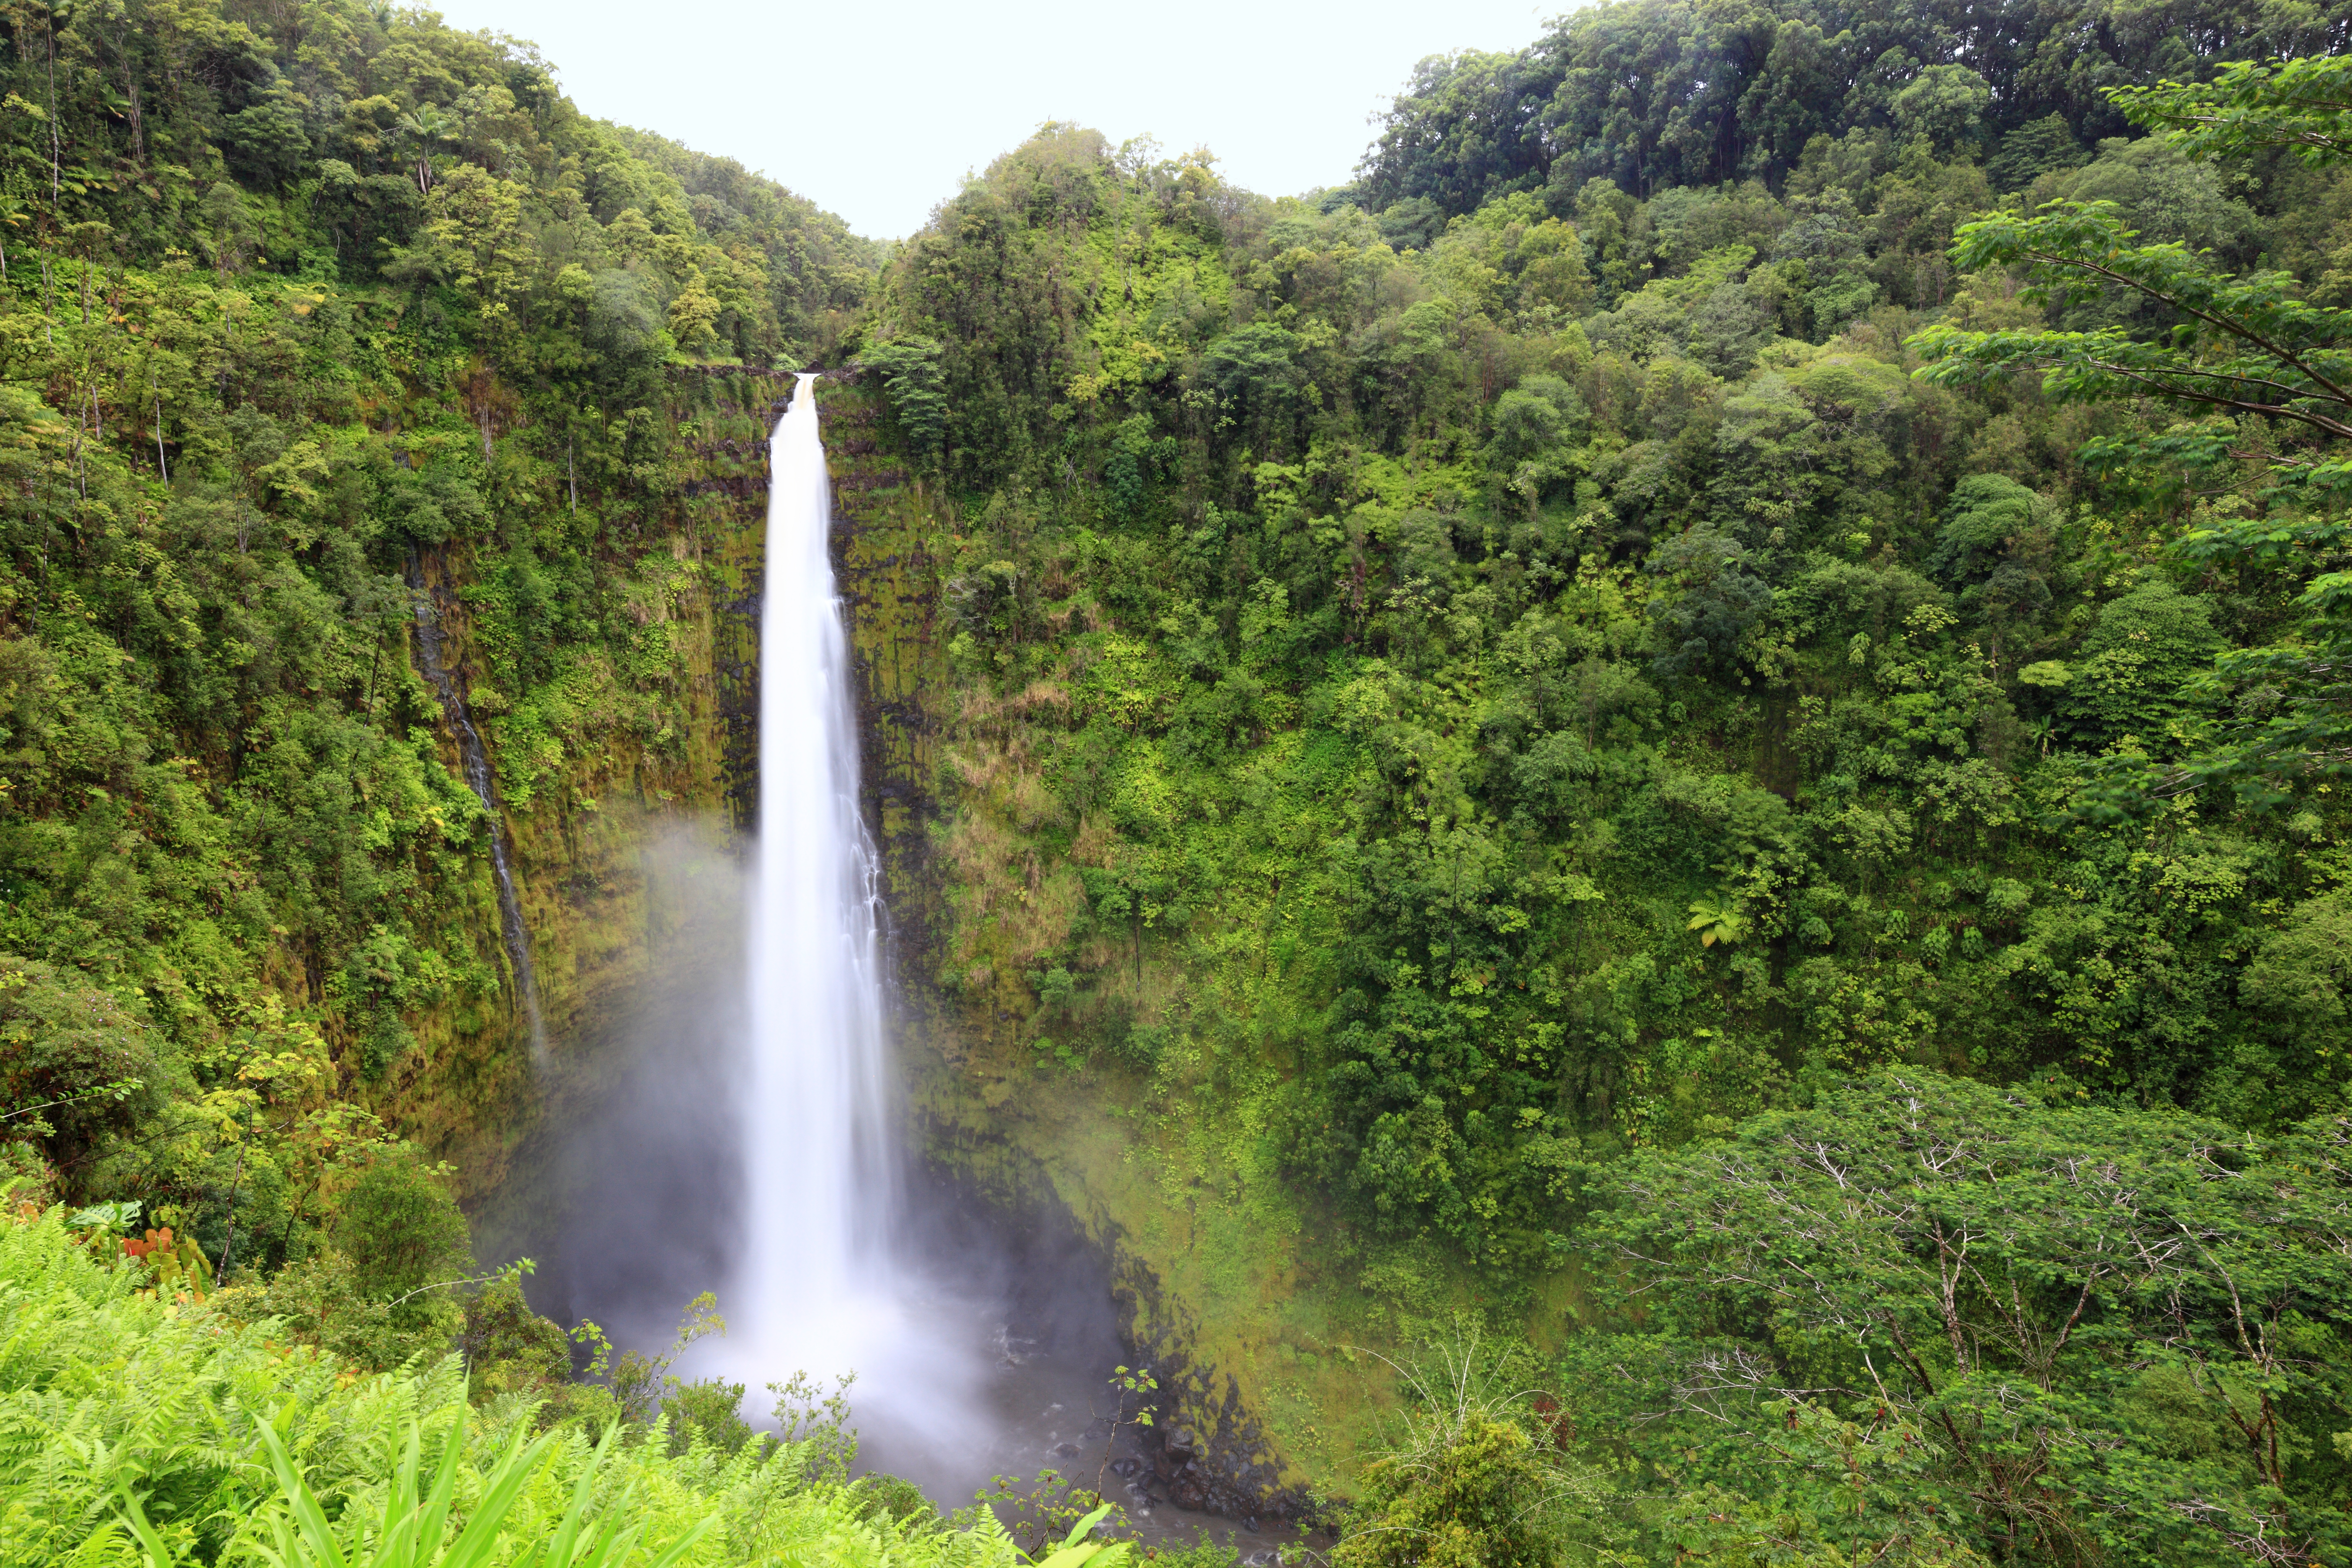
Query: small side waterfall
x=484, y=783
x=821, y=1172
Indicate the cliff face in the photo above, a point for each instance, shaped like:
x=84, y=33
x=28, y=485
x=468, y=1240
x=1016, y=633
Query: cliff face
x=588, y=852
x=1205, y=1286
x=1205, y=1279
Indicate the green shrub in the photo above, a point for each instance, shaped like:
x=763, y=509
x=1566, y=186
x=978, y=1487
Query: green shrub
x=143, y=1432
x=509, y=1349
x=401, y=1228
x=1475, y=1478
x=319, y=1302
x=75, y=1063
x=709, y=1412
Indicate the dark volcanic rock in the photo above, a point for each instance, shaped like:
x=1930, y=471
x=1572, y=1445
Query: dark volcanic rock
x=1204, y=1446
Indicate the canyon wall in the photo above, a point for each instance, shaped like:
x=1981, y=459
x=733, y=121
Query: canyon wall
x=1203, y=1296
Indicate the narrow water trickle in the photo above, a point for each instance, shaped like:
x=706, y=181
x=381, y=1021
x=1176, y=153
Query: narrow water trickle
x=475, y=759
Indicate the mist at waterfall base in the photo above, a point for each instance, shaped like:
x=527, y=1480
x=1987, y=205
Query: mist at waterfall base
x=631, y=1195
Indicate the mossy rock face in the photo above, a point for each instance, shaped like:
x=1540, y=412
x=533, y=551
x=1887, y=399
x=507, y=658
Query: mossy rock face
x=587, y=843
x=1208, y=1289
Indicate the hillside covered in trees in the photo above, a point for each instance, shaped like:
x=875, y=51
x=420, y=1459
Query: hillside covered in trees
x=299, y=305
x=1673, y=760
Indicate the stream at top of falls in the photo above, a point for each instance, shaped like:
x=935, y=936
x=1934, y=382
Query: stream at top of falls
x=974, y=1356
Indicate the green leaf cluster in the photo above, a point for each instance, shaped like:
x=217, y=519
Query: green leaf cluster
x=143, y=1432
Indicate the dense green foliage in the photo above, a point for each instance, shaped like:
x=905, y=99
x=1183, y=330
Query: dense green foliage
x=1920, y=1321
x=1703, y=713
x=2048, y=1334
x=2249, y=346
x=295, y=304
x=1455, y=700
x=1538, y=728
x=123, y=1412
x=1656, y=94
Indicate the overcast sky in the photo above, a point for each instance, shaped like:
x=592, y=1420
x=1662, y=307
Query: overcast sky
x=876, y=111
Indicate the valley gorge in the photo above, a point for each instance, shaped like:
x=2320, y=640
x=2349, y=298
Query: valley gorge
x=1615, y=843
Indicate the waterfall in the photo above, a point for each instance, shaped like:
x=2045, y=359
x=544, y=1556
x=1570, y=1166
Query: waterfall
x=476, y=759
x=823, y=1283
x=819, y=1166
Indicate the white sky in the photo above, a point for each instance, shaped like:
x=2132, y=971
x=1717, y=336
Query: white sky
x=876, y=111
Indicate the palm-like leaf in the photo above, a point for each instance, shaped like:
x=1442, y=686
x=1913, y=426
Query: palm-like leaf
x=1716, y=919
x=409, y=1534
x=1078, y=1551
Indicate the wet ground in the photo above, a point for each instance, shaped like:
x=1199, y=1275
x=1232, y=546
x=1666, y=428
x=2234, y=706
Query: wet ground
x=1046, y=1402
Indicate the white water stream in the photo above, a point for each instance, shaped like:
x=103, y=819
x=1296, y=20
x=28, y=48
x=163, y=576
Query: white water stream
x=820, y=1286
x=821, y=1172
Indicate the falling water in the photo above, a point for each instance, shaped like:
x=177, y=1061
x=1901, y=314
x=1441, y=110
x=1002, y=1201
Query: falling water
x=477, y=760
x=820, y=1172
x=824, y=1282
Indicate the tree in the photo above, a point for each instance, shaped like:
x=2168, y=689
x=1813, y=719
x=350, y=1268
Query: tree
x=2304, y=106
x=2245, y=346
x=2057, y=1333
x=1943, y=104
x=473, y=235
x=266, y=140
x=229, y=222
x=509, y=1348
x=426, y=125
x=75, y=1063
x=1463, y=1505
x=1256, y=377
x=400, y=1228
x=910, y=369
x=1467, y=129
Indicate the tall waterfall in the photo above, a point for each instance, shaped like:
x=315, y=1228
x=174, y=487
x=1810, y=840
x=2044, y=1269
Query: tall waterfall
x=820, y=1172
